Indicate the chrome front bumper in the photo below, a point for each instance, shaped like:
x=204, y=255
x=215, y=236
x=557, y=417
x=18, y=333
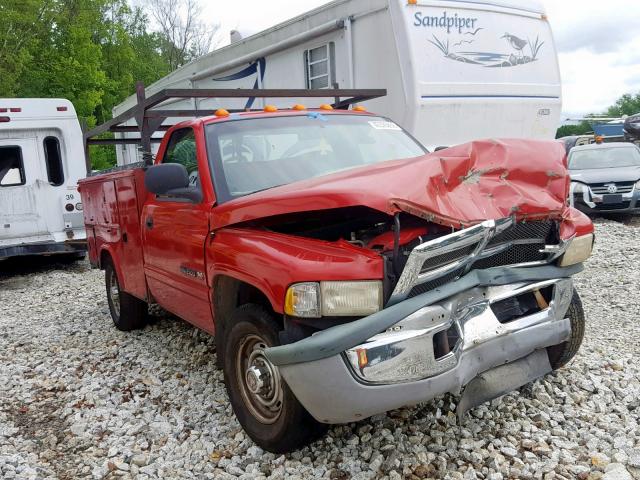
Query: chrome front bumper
x=336, y=389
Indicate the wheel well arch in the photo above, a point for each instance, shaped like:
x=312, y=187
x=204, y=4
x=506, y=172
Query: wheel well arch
x=105, y=256
x=228, y=294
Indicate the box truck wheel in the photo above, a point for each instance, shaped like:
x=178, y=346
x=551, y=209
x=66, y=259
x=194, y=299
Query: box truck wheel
x=561, y=354
x=128, y=312
x=265, y=407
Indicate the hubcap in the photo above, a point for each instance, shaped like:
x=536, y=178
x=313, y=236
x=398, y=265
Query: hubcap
x=259, y=379
x=114, y=292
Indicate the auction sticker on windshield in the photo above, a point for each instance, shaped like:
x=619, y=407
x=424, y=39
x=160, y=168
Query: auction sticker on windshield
x=384, y=125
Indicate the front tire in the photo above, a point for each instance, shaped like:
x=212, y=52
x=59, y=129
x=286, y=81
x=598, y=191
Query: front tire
x=128, y=312
x=263, y=403
x=561, y=354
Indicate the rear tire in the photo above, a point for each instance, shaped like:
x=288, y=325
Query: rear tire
x=128, y=312
x=561, y=354
x=263, y=403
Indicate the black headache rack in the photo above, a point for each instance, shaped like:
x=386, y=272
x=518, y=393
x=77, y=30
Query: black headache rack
x=150, y=113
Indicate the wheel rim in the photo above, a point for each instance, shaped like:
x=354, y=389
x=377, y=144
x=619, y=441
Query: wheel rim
x=114, y=292
x=259, y=380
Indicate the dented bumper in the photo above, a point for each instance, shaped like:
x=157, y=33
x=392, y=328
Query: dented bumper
x=396, y=357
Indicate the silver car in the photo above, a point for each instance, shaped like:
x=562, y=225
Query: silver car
x=605, y=178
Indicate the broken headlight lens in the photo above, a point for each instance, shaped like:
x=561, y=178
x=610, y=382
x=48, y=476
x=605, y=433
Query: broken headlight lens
x=579, y=250
x=333, y=299
x=578, y=187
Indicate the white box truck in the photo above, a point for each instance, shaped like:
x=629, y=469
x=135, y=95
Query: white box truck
x=41, y=161
x=455, y=70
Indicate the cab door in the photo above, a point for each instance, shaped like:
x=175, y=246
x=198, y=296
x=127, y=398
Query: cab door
x=22, y=191
x=174, y=232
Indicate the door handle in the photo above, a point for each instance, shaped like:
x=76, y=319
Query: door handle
x=149, y=222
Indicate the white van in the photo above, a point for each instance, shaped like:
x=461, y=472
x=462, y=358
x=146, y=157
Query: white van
x=455, y=70
x=41, y=161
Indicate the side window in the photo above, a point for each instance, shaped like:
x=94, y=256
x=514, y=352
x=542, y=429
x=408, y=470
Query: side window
x=182, y=149
x=11, y=167
x=53, y=158
x=319, y=66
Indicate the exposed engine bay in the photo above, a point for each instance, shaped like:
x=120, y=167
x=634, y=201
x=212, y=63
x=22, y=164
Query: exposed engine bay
x=396, y=237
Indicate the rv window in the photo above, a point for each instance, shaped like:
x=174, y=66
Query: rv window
x=52, y=156
x=11, y=167
x=319, y=66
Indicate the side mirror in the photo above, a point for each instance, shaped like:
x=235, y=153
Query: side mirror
x=171, y=180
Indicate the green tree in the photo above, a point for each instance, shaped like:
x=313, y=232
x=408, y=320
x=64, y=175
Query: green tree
x=628, y=104
x=93, y=51
x=66, y=59
x=583, y=128
x=21, y=24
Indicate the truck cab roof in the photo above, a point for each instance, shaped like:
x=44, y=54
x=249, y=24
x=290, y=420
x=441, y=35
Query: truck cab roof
x=224, y=116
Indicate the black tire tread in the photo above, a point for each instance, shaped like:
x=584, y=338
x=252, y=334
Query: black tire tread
x=133, y=311
x=298, y=428
x=561, y=354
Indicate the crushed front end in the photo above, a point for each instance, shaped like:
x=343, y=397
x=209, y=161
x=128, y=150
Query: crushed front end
x=473, y=310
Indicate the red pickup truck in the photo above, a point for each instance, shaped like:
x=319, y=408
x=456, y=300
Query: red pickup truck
x=343, y=269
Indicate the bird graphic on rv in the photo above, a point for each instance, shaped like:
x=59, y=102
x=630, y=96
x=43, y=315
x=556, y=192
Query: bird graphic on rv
x=516, y=43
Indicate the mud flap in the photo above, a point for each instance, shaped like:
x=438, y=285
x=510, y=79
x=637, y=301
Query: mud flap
x=502, y=380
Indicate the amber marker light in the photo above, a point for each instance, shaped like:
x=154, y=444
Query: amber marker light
x=326, y=106
x=297, y=106
x=221, y=112
x=363, y=361
x=412, y=2
x=270, y=108
x=359, y=108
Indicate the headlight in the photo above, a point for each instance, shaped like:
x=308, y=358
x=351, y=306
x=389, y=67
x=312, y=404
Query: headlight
x=638, y=185
x=578, y=187
x=79, y=206
x=579, y=250
x=303, y=300
x=333, y=299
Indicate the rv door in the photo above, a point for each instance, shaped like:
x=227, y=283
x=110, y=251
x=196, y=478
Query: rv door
x=21, y=193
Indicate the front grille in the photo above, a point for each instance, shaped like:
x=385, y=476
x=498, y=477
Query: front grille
x=438, y=282
x=446, y=258
x=519, y=253
x=523, y=231
x=603, y=188
x=522, y=243
x=613, y=206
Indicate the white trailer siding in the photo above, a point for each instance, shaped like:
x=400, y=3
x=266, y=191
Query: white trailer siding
x=495, y=76
x=32, y=195
x=443, y=93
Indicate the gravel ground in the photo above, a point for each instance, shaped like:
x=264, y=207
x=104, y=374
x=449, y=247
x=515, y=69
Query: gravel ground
x=79, y=399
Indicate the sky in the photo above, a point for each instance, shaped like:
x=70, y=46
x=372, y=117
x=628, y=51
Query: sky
x=597, y=42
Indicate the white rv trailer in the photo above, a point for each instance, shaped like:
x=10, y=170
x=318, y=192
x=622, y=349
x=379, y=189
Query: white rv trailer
x=455, y=70
x=41, y=161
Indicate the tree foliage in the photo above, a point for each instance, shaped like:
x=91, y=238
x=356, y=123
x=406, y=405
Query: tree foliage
x=628, y=104
x=91, y=52
x=582, y=128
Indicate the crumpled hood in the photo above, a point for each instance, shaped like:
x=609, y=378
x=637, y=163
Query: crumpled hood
x=604, y=175
x=458, y=186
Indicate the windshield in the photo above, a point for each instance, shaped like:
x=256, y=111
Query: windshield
x=604, y=158
x=250, y=155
